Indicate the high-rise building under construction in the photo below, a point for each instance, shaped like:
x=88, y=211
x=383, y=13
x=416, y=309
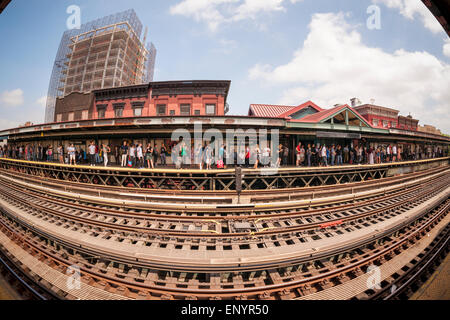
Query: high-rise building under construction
x=104, y=53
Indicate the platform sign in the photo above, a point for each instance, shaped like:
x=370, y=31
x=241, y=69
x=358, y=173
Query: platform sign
x=342, y=135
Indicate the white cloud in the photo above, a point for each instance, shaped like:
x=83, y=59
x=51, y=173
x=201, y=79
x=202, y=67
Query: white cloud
x=333, y=65
x=446, y=48
x=217, y=12
x=42, y=101
x=12, y=98
x=412, y=8
x=250, y=8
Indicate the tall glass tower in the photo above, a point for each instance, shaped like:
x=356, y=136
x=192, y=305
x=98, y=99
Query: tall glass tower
x=104, y=53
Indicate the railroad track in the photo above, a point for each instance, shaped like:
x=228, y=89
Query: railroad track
x=108, y=222
x=416, y=272
x=394, y=242
x=293, y=249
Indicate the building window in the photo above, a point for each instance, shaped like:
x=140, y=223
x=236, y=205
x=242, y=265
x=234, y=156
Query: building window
x=118, y=112
x=197, y=112
x=393, y=124
x=101, y=113
x=118, y=109
x=59, y=117
x=211, y=109
x=138, y=106
x=385, y=124
x=172, y=112
x=375, y=122
x=71, y=116
x=161, y=109
x=137, y=112
x=84, y=114
x=185, y=109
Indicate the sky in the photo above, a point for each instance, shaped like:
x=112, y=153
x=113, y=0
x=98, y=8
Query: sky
x=392, y=52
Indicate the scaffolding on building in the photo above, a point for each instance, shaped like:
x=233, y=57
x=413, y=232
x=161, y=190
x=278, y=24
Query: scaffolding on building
x=76, y=70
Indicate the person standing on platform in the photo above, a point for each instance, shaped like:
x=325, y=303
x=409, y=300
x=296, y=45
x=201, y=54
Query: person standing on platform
x=116, y=155
x=371, y=158
x=360, y=154
x=316, y=155
x=328, y=155
x=96, y=155
x=280, y=154
x=351, y=159
x=388, y=153
x=71, y=152
x=247, y=156
x=208, y=156
x=35, y=153
x=40, y=153
x=60, y=154
x=339, y=155
x=124, y=153
x=149, y=156
x=91, y=149
x=198, y=156
x=132, y=152
x=257, y=156
x=333, y=154
x=308, y=155
x=297, y=154
x=140, y=156
x=266, y=156
x=285, y=155
x=323, y=153
x=394, y=153
x=50, y=154
x=105, y=150
x=302, y=155
x=155, y=155
x=346, y=153
x=163, y=155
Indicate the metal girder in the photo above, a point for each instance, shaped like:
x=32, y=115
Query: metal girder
x=196, y=180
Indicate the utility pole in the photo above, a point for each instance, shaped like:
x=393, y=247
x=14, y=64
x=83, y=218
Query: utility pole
x=238, y=174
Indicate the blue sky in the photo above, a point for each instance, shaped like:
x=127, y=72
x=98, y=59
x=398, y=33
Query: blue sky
x=273, y=51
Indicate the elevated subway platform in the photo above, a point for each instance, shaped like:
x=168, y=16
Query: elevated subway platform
x=214, y=181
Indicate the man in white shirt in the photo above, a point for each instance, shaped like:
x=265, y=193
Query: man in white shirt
x=71, y=150
x=140, y=156
x=394, y=153
x=92, y=153
x=324, y=155
x=388, y=153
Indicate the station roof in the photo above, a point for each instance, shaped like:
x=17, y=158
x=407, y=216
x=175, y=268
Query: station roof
x=279, y=111
x=337, y=114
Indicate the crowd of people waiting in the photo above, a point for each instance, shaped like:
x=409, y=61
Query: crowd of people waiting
x=203, y=156
x=323, y=155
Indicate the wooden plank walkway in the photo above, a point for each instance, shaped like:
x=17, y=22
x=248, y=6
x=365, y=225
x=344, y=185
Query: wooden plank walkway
x=358, y=285
x=54, y=277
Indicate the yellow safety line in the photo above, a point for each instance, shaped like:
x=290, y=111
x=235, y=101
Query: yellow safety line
x=215, y=171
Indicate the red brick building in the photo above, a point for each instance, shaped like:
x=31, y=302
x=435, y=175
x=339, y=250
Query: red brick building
x=377, y=116
x=156, y=99
x=382, y=117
